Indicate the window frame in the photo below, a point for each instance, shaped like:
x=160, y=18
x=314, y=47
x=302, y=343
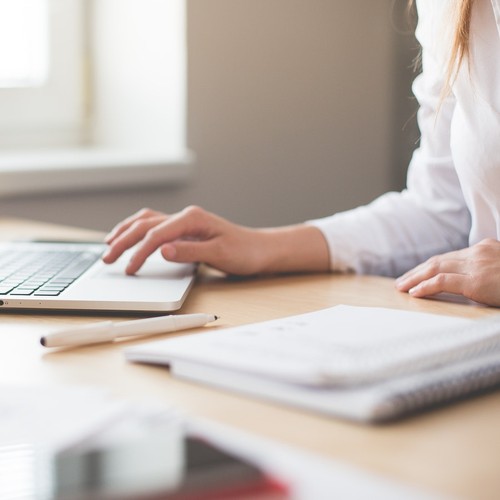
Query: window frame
x=90, y=150
x=52, y=113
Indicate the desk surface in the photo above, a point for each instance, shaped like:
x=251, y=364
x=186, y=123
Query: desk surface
x=453, y=450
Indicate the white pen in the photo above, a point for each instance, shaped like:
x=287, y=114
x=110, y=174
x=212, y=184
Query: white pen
x=107, y=331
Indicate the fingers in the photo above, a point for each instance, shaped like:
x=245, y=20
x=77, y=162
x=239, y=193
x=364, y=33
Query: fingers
x=191, y=223
x=446, y=273
x=472, y=272
x=442, y=283
x=451, y=262
x=433, y=267
x=121, y=227
x=130, y=236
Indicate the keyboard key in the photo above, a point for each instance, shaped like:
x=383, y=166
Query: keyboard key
x=20, y=291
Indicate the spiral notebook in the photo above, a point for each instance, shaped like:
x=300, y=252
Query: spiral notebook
x=360, y=363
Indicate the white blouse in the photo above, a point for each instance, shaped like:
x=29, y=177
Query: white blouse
x=452, y=198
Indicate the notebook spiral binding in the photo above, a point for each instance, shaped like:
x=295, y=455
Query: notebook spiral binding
x=445, y=386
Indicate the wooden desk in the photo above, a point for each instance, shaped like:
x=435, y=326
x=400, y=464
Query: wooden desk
x=453, y=450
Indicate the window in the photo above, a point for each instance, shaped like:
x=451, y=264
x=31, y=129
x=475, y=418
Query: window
x=41, y=82
x=94, y=87
x=23, y=43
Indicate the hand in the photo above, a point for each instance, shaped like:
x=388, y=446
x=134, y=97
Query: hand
x=473, y=272
x=195, y=235
x=192, y=235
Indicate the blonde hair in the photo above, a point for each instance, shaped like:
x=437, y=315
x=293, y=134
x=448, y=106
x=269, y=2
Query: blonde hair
x=460, y=48
x=460, y=44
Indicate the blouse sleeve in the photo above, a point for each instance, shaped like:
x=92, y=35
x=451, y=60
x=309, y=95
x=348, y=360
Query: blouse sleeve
x=399, y=230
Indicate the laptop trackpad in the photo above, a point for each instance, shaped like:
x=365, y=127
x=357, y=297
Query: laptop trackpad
x=155, y=268
x=158, y=281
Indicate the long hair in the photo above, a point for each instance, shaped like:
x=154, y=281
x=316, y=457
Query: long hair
x=460, y=43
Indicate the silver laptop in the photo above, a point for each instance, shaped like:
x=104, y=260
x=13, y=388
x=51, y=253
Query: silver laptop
x=71, y=276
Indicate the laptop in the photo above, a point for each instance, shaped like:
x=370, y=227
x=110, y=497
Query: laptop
x=70, y=276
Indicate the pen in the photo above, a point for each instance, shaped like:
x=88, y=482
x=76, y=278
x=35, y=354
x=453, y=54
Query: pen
x=107, y=331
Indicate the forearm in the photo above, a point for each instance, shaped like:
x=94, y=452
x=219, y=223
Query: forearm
x=298, y=248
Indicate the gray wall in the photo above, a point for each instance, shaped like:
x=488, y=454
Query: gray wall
x=296, y=110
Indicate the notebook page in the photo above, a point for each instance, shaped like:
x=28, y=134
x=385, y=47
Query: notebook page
x=335, y=346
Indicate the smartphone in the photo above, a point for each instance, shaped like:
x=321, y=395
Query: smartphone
x=195, y=470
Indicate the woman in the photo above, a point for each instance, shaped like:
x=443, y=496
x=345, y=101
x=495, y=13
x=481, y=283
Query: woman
x=440, y=234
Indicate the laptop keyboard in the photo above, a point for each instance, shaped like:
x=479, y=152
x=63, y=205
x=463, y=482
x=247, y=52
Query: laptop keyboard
x=46, y=273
